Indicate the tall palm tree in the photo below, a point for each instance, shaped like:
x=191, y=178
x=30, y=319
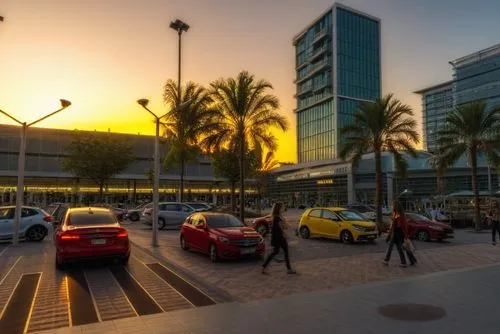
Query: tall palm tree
x=246, y=114
x=184, y=127
x=382, y=125
x=470, y=129
x=266, y=163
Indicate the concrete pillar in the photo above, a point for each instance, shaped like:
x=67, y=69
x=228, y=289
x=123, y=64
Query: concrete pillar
x=351, y=198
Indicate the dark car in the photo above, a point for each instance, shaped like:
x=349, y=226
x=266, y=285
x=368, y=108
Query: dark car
x=220, y=236
x=424, y=229
x=90, y=233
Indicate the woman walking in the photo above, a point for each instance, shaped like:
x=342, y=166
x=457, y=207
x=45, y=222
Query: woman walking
x=398, y=235
x=278, y=238
x=493, y=219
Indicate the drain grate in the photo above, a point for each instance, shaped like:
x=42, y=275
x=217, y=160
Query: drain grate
x=412, y=312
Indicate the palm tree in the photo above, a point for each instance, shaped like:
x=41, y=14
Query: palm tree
x=470, y=129
x=246, y=114
x=382, y=125
x=265, y=165
x=183, y=127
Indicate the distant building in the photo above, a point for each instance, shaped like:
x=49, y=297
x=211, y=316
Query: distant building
x=337, y=66
x=475, y=77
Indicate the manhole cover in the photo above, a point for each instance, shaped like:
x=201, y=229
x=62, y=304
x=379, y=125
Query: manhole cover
x=412, y=312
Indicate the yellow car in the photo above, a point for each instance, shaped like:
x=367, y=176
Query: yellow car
x=337, y=223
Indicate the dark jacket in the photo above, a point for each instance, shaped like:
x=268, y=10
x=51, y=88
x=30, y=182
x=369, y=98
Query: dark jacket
x=277, y=237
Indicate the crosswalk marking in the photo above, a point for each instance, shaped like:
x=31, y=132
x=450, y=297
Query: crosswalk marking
x=12, y=267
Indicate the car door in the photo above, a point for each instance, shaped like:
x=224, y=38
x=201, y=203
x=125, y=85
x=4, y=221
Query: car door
x=187, y=231
x=314, y=221
x=168, y=212
x=200, y=231
x=28, y=218
x=330, y=224
x=6, y=222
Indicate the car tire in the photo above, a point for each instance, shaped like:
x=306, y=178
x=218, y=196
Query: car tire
x=36, y=233
x=304, y=232
x=423, y=235
x=346, y=237
x=262, y=229
x=161, y=223
x=183, y=243
x=212, y=252
x=134, y=217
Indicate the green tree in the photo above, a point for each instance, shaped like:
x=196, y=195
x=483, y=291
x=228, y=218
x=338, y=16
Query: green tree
x=183, y=127
x=470, y=129
x=383, y=125
x=97, y=157
x=226, y=165
x=246, y=113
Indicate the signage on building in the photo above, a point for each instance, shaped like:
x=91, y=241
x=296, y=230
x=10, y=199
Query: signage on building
x=324, y=181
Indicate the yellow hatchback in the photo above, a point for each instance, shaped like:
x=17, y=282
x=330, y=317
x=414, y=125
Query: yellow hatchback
x=337, y=223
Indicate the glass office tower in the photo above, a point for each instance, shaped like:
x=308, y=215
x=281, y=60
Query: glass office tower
x=337, y=67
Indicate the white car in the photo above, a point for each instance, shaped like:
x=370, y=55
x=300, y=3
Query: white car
x=171, y=214
x=35, y=223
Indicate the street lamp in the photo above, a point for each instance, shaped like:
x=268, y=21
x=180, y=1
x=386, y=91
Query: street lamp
x=21, y=160
x=156, y=175
x=180, y=27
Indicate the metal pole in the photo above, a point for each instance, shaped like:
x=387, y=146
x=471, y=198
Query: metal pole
x=179, y=72
x=156, y=181
x=20, y=185
x=489, y=179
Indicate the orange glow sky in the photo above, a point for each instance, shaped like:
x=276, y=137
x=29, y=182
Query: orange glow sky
x=104, y=55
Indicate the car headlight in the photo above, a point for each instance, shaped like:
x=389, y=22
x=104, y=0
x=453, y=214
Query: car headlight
x=436, y=228
x=224, y=240
x=358, y=228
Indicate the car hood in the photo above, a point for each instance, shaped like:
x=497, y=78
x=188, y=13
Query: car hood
x=360, y=223
x=235, y=232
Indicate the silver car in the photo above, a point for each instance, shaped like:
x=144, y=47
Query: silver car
x=170, y=214
x=35, y=223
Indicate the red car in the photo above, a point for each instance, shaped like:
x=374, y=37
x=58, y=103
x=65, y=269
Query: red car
x=221, y=236
x=424, y=229
x=90, y=233
x=262, y=225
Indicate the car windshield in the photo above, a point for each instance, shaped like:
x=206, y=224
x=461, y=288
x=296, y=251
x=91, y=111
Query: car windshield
x=350, y=215
x=223, y=221
x=91, y=218
x=417, y=217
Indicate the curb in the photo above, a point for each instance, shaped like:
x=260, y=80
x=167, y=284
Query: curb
x=220, y=295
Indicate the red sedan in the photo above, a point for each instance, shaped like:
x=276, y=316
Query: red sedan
x=424, y=229
x=90, y=233
x=221, y=236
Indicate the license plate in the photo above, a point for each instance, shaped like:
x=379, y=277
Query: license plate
x=248, y=250
x=98, y=241
x=371, y=236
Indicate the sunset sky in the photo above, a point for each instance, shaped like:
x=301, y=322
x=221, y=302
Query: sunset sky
x=103, y=55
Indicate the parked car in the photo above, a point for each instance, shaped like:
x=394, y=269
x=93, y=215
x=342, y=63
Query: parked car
x=90, y=233
x=171, y=214
x=135, y=213
x=425, y=229
x=220, y=236
x=263, y=225
x=337, y=223
x=199, y=206
x=35, y=223
x=119, y=213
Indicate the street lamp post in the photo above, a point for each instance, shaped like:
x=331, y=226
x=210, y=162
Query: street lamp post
x=156, y=175
x=21, y=161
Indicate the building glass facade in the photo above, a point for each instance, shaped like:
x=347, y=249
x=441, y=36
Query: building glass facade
x=337, y=66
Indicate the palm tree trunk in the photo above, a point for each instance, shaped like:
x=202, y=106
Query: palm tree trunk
x=233, y=196
x=473, y=161
x=181, y=185
x=242, y=179
x=378, y=189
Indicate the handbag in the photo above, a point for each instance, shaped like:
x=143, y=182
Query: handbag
x=408, y=245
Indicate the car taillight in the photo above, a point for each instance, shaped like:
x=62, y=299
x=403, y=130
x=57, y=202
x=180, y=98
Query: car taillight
x=122, y=234
x=69, y=237
x=48, y=219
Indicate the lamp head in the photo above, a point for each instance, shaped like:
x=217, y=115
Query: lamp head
x=143, y=102
x=179, y=25
x=65, y=103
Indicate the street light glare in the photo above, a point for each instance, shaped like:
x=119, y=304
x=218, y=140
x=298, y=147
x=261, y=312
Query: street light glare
x=143, y=102
x=65, y=103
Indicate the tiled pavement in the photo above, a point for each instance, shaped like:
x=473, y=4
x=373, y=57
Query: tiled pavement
x=466, y=298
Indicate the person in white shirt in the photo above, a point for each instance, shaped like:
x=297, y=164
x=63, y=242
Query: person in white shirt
x=434, y=213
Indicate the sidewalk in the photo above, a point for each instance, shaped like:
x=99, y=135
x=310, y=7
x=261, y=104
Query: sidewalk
x=466, y=298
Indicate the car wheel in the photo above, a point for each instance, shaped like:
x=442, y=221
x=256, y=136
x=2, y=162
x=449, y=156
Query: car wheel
x=161, y=223
x=304, y=232
x=183, y=243
x=134, y=217
x=423, y=235
x=262, y=229
x=346, y=237
x=36, y=233
x=214, y=257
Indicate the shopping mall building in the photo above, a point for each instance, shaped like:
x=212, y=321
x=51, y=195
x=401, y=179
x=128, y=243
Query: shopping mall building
x=46, y=182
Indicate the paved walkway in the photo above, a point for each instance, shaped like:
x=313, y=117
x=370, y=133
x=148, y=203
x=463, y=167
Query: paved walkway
x=466, y=302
